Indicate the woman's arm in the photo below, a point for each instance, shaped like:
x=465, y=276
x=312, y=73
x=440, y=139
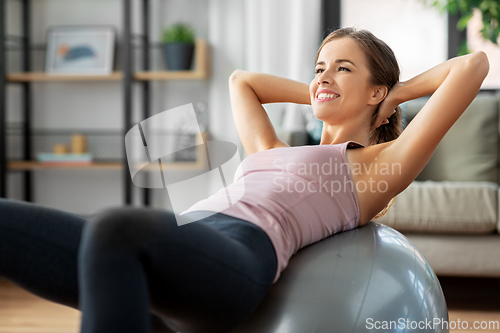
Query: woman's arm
x=275, y=89
x=453, y=84
x=248, y=91
x=429, y=81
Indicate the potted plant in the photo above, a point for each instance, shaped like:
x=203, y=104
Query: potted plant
x=178, y=46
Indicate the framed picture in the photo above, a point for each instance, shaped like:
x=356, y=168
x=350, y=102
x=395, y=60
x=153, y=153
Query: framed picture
x=80, y=50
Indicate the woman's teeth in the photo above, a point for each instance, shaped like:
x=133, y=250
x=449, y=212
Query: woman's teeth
x=326, y=96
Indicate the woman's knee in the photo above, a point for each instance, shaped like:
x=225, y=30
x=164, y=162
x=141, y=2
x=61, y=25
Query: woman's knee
x=120, y=227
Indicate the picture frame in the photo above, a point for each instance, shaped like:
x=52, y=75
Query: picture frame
x=83, y=50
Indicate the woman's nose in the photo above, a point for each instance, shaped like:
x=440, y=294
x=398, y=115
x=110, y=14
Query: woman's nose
x=323, y=80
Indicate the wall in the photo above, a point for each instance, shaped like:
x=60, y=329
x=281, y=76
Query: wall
x=98, y=105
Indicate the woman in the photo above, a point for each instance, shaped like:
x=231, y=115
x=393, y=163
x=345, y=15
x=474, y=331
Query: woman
x=127, y=264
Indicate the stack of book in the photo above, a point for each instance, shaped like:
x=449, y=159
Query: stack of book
x=65, y=159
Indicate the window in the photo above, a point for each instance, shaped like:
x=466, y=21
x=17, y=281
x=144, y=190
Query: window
x=475, y=42
x=417, y=33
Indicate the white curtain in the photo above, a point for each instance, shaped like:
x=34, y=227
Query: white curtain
x=281, y=37
x=273, y=36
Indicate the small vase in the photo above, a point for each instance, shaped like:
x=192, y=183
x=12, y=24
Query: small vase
x=178, y=56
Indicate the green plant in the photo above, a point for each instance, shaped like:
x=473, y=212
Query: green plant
x=490, y=14
x=178, y=32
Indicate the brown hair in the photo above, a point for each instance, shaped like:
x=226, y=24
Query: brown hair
x=384, y=70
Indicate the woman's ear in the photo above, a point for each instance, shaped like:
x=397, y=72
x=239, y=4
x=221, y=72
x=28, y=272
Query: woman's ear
x=379, y=93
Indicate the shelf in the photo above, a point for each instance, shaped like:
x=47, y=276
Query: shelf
x=42, y=76
x=200, y=72
x=169, y=75
x=200, y=65
x=33, y=165
x=199, y=164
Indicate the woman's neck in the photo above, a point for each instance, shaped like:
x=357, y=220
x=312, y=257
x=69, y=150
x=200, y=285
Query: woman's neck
x=335, y=134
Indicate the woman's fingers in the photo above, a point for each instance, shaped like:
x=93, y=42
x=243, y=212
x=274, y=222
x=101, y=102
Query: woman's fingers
x=381, y=118
x=387, y=108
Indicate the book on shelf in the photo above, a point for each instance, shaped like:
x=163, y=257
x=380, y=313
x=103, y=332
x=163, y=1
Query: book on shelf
x=65, y=159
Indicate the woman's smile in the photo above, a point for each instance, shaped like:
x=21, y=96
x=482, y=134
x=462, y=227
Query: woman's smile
x=324, y=97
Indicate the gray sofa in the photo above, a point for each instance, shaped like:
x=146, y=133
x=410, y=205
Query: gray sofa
x=451, y=211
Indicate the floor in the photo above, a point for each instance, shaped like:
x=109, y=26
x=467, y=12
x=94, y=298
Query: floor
x=472, y=299
x=468, y=299
x=22, y=312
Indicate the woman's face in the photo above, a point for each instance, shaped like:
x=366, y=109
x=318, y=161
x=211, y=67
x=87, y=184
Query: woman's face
x=341, y=88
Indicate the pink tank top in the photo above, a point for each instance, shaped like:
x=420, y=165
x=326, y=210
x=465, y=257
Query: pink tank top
x=297, y=195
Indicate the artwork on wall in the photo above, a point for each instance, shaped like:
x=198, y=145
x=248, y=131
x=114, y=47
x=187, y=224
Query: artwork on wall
x=80, y=50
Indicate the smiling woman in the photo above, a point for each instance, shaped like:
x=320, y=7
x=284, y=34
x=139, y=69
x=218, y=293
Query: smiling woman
x=356, y=94
x=126, y=263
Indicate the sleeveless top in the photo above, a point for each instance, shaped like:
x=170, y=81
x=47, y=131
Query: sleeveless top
x=297, y=195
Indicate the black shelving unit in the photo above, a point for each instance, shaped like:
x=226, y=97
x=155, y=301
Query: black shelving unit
x=25, y=41
x=127, y=48
x=3, y=103
x=126, y=61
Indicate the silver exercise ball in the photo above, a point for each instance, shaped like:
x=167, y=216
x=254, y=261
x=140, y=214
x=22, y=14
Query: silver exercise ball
x=369, y=279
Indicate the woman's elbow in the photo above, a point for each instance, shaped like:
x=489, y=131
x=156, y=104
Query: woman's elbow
x=236, y=75
x=479, y=64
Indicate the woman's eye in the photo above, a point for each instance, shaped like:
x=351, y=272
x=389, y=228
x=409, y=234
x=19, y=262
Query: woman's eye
x=340, y=69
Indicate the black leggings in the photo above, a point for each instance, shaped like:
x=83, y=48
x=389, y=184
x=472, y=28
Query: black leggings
x=126, y=267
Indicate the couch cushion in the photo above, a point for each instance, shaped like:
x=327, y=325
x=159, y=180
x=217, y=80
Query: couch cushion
x=469, y=151
x=445, y=207
x=460, y=255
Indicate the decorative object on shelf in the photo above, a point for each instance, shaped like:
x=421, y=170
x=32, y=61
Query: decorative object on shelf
x=64, y=159
x=80, y=50
x=178, y=46
x=78, y=144
x=60, y=148
x=60, y=155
